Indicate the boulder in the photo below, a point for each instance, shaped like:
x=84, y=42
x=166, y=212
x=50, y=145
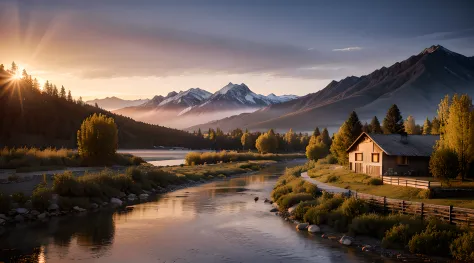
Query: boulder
x=292, y=209
x=34, y=212
x=273, y=210
x=94, y=206
x=314, y=229
x=366, y=248
x=3, y=216
x=42, y=216
x=146, y=192
x=21, y=211
x=53, y=207
x=115, y=201
x=345, y=240
x=132, y=197
x=19, y=218
x=302, y=226
x=79, y=209
x=143, y=196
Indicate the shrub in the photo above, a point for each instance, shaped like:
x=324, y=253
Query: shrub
x=280, y=191
x=330, y=204
x=338, y=220
x=19, y=198
x=316, y=216
x=444, y=164
x=291, y=199
x=330, y=159
x=399, y=235
x=13, y=178
x=425, y=194
x=66, y=184
x=40, y=197
x=332, y=178
x=303, y=207
x=375, y=225
x=353, y=207
x=4, y=203
x=462, y=247
x=375, y=181
x=432, y=242
x=267, y=142
x=222, y=176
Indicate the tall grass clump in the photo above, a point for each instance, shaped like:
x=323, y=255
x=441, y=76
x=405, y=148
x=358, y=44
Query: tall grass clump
x=292, y=199
x=41, y=197
x=197, y=158
x=376, y=225
x=462, y=248
x=432, y=242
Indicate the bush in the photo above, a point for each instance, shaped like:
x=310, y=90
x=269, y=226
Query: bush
x=330, y=204
x=444, y=164
x=292, y=199
x=281, y=191
x=13, y=178
x=425, y=194
x=375, y=225
x=316, y=216
x=353, y=207
x=432, y=242
x=66, y=184
x=303, y=207
x=332, y=178
x=4, y=203
x=338, y=220
x=40, y=197
x=399, y=236
x=375, y=181
x=462, y=247
x=330, y=159
x=19, y=198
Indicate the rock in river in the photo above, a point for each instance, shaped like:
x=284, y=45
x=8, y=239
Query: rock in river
x=345, y=240
x=292, y=209
x=143, y=196
x=79, y=209
x=115, y=201
x=302, y=226
x=314, y=229
x=22, y=211
x=274, y=210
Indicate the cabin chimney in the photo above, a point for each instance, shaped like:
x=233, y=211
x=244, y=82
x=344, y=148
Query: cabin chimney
x=404, y=137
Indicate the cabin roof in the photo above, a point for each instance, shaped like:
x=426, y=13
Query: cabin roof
x=393, y=144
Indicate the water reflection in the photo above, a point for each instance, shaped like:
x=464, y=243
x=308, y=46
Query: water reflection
x=216, y=222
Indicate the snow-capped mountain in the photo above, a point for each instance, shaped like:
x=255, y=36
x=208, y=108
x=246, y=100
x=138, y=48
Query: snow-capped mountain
x=195, y=106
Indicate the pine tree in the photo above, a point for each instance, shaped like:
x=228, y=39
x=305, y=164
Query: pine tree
x=349, y=131
x=366, y=128
x=316, y=132
x=199, y=133
x=79, y=101
x=375, y=126
x=426, y=127
x=14, y=68
x=69, y=96
x=2, y=67
x=325, y=138
x=435, y=126
x=410, y=126
x=55, y=91
x=393, y=122
x=36, y=84
x=62, y=93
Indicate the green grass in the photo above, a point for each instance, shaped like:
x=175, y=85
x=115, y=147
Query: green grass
x=232, y=156
x=341, y=177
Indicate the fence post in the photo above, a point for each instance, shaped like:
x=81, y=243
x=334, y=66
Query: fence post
x=450, y=214
x=355, y=195
x=384, y=204
x=406, y=183
x=429, y=184
x=403, y=206
x=422, y=206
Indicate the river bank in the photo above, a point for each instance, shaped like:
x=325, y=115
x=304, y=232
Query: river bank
x=218, y=221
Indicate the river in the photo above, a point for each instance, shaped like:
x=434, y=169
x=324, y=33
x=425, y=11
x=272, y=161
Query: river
x=213, y=222
x=160, y=157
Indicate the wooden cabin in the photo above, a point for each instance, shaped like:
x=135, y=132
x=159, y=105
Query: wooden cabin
x=392, y=154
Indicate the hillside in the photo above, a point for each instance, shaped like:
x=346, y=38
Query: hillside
x=30, y=117
x=114, y=103
x=197, y=106
x=416, y=85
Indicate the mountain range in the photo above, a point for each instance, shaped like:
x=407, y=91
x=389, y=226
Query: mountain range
x=416, y=85
x=114, y=103
x=198, y=106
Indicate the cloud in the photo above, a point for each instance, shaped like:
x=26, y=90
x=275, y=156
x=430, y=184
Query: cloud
x=348, y=49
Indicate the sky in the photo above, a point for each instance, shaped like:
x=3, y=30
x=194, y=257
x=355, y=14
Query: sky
x=138, y=49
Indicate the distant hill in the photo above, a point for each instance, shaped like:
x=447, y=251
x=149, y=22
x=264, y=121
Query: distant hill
x=416, y=85
x=114, y=103
x=30, y=117
x=197, y=106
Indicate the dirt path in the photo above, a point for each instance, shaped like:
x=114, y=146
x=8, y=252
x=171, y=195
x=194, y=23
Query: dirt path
x=323, y=186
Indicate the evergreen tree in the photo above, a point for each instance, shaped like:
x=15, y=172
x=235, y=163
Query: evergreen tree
x=14, y=68
x=366, y=128
x=2, y=67
x=69, y=96
x=426, y=127
x=393, y=122
x=349, y=131
x=62, y=93
x=375, y=126
x=79, y=101
x=325, y=138
x=410, y=126
x=36, y=84
x=55, y=91
x=199, y=133
x=316, y=132
x=96, y=105
x=435, y=126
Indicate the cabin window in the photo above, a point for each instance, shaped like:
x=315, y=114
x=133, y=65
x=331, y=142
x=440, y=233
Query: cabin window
x=375, y=157
x=402, y=160
x=359, y=157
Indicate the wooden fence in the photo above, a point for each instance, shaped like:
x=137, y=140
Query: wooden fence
x=453, y=215
x=408, y=182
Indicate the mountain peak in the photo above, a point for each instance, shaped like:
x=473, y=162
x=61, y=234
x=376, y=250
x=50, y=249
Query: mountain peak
x=232, y=86
x=436, y=48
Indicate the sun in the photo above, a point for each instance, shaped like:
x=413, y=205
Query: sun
x=17, y=75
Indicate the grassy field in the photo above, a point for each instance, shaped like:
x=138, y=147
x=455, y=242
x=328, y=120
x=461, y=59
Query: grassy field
x=344, y=178
x=232, y=156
